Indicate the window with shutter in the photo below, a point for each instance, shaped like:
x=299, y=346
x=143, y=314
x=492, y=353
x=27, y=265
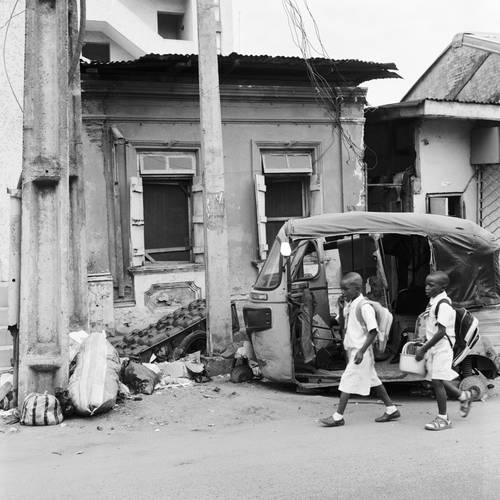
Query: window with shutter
x=286, y=189
x=172, y=213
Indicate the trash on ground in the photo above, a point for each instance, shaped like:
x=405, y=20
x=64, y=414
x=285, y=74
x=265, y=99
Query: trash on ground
x=9, y=417
x=138, y=377
x=173, y=382
x=6, y=391
x=75, y=342
x=123, y=391
x=93, y=386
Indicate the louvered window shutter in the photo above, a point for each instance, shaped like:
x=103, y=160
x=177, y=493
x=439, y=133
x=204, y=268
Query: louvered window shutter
x=198, y=235
x=260, y=201
x=136, y=222
x=316, y=195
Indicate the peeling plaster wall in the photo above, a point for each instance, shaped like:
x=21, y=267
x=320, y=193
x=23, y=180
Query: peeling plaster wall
x=95, y=192
x=443, y=162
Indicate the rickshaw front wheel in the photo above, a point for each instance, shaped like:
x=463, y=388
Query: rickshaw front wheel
x=476, y=385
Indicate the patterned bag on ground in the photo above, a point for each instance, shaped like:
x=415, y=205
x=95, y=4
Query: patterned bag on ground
x=93, y=386
x=41, y=409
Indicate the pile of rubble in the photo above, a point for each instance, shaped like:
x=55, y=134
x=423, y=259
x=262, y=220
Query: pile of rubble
x=169, y=325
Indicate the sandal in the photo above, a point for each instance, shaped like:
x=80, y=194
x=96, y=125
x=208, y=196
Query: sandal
x=438, y=424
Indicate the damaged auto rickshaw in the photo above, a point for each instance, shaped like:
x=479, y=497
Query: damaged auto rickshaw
x=290, y=317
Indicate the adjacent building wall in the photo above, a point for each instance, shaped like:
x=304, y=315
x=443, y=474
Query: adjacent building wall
x=443, y=162
x=11, y=123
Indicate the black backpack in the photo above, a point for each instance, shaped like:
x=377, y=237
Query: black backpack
x=466, y=334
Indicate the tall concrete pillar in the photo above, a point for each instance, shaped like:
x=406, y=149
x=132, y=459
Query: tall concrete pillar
x=78, y=286
x=215, y=218
x=43, y=344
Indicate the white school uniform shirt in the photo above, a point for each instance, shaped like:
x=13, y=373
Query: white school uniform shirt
x=355, y=332
x=446, y=317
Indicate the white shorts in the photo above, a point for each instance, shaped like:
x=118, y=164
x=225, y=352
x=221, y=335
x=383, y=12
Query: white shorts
x=438, y=364
x=359, y=379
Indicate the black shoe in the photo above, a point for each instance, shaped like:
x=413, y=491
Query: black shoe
x=330, y=422
x=386, y=417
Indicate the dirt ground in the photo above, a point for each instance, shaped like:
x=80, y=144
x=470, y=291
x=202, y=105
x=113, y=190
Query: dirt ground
x=253, y=440
x=219, y=404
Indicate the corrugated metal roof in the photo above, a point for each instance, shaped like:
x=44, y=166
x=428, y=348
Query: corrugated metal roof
x=273, y=60
x=346, y=71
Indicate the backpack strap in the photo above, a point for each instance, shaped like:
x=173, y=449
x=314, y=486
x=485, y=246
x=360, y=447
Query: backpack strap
x=445, y=301
x=359, y=314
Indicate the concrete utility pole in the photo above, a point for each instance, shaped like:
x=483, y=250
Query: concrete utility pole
x=215, y=221
x=45, y=252
x=78, y=292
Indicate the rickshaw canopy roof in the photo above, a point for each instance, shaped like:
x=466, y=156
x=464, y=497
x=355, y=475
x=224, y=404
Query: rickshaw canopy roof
x=461, y=248
x=434, y=226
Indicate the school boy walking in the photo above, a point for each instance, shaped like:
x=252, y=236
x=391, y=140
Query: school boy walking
x=438, y=351
x=360, y=375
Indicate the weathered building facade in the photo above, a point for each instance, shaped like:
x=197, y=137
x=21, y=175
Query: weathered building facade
x=290, y=150
x=438, y=150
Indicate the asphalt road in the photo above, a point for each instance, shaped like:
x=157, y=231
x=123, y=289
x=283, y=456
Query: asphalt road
x=288, y=456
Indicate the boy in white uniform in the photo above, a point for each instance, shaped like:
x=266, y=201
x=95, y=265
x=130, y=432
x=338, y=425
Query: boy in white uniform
x=360, y=375
x=438, y=351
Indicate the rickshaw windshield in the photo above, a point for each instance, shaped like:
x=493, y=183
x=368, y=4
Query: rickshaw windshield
x=270, y=274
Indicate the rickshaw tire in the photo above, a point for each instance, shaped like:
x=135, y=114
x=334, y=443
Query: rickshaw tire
x=197, y=338
x=476, y=385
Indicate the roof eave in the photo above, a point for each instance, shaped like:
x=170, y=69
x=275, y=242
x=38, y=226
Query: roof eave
x=429, y=108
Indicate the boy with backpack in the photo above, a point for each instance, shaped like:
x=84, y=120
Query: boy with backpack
x=438, y=350
x=360, y=332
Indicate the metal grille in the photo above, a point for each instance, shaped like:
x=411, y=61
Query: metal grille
x=489, y=198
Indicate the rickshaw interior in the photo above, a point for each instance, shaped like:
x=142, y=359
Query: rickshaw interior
x=393, y=267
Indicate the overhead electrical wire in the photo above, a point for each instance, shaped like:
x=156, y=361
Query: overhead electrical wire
x=326, y=94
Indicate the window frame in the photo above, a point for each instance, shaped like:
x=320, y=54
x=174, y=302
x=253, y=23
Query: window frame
x=180, y=21
x=102, y=44
x=304, y=180
x=177, y=181
x=430, y=196
x=195, y=215
x=313, y=193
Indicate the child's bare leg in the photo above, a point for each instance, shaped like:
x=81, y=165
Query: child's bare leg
x=451, y=389
x=391, y=412
x=344, y=398
x=382, y=394
x=337, y=419
x=465, y=397
x=441, y=397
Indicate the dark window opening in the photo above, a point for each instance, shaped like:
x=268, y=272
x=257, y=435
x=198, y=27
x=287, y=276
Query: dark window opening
x=444, y=204
x=96, y=51
x=285, y=199
x=170, y=25
x=167, y=228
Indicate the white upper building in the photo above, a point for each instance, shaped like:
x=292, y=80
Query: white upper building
x=121, y=30
x=116, y=30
